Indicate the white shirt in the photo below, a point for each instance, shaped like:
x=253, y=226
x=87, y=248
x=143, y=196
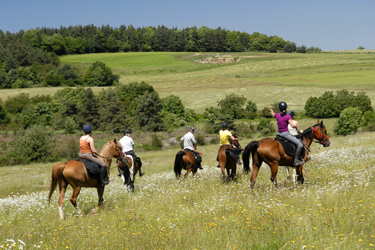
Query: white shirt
x=189, y=141
x=126, y=143
x=292, y=131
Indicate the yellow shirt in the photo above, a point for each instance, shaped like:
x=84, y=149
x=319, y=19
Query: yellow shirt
x=224, y=137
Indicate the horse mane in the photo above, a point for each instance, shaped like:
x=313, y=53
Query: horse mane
x=105, y=147
x=307, y=132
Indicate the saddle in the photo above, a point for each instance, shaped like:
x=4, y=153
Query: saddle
x=289, y=147
x=234, y=152
x=197, y=157
x=91, y=167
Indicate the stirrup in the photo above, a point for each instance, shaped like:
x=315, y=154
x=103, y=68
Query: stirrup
x=299, y=163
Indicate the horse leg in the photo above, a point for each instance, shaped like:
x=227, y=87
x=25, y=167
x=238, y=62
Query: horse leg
x=300, y=178
x=274, y=168
x=287, y=171
x=62, y=187
x=257, y=162
x=73, y=198
x=188, y=170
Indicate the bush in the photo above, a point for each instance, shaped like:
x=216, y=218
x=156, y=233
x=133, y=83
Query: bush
x=348, y=122
x=34, y=144
x=232, y=105
x=266, y=127
x=329, y=105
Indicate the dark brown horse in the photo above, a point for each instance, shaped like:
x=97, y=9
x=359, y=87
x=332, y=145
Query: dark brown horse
x=74, y=173
x=185, y=160
x=227, y=158
x=129, y=168
x=271, y=152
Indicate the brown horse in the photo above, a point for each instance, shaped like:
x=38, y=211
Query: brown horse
x=129, y=171
x=185, y=160
x=271, y=152
x=74, y=173
x=227, y=158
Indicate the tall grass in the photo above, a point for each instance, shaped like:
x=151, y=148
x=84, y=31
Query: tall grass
x=334, y=209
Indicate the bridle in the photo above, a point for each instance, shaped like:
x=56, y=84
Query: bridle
x=321, y=139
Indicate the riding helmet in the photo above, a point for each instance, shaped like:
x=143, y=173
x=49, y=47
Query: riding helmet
x=291, y=113
x=87, y=128
x=192, y=128
x=282, y=106
x=128, y=131
x=224, y=125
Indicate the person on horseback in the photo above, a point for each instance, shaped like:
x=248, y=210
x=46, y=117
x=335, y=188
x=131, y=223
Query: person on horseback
x=283, y=120
x=226, y=138
x=89, y=152
x=188, y=142
x=294, y=130
x=127, y=144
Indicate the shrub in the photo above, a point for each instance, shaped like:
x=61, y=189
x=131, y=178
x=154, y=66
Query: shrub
x=34, y=144
x=266, y=127
x=329, y=105
x=200, y=140
x=232, y=105
x=348, y=122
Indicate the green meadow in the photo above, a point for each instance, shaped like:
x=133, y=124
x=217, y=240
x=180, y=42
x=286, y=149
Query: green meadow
x=333, y=209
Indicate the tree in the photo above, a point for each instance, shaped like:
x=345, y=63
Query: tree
x=148, y=110
x=232, y=105
x=99, y=75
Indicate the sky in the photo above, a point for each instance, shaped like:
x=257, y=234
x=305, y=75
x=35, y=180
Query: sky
x=327, y=24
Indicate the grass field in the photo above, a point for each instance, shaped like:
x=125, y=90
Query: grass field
x=334, y=209
x=263, y=78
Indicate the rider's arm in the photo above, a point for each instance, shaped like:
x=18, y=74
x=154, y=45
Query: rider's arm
x=182, y=144
x=272, y=112
x=294, y=125
x=297, y=127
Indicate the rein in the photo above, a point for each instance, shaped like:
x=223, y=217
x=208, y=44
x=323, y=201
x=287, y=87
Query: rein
x=320, y=136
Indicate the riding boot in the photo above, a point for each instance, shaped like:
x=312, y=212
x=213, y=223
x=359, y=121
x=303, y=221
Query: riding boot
x=297, y=161
x=103, y=174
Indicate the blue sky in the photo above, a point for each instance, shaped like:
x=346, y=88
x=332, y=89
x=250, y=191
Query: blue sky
x=327, y=24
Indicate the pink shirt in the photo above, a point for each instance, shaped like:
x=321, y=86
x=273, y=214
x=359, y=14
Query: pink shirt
x=282, y=122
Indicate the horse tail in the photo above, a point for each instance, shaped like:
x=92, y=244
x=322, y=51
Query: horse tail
x=250, y=148
x=57, y=174
x=178, y=163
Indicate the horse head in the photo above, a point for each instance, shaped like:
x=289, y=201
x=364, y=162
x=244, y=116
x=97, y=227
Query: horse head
x=321, y=134
x=118, y=154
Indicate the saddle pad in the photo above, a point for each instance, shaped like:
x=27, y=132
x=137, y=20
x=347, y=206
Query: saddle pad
x=196, y=156
x=289, y=148
x=91, y=167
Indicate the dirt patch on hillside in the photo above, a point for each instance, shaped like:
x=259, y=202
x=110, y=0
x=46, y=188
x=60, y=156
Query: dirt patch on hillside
x=218, y=58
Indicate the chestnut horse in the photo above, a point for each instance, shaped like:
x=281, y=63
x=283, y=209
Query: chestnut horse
x=185, y=160
x=74, y=173
x=271, y=152
x=227, y=159
x=129, y=171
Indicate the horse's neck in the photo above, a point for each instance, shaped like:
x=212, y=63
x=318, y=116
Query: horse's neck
x=307, y=140
x=105, y=151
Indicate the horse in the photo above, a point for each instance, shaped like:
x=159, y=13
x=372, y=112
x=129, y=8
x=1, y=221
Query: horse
x=271, y=152
x=227, y=158
x=74, y=173
x=185, y=160
x=128, y=167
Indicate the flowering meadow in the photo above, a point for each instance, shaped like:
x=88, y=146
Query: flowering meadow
x=333, y=209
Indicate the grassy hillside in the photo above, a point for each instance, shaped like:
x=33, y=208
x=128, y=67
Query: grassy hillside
x=263, y=78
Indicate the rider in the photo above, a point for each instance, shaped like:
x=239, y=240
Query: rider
x=88, y=151
x=188, y=142
x=294, y=130
x=283, y=119
x=226, y=138
x=127, y=144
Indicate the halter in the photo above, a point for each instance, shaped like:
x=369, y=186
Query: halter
x=320, y=136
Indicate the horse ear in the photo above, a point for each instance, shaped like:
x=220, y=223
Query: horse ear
x=114, y=140
x=321, y=124
x=318, y=122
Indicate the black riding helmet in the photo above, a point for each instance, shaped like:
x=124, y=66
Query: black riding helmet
x=291, y=113
x=128, y=131
x=282, y=106
x=224, y=125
